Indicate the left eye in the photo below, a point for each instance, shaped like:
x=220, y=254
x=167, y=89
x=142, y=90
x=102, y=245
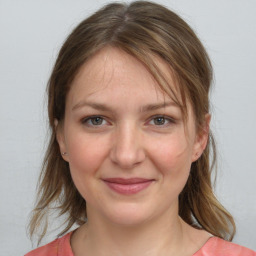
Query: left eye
x=160, y=120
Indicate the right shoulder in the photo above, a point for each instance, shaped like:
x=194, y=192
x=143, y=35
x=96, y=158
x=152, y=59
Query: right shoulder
x=58, y=247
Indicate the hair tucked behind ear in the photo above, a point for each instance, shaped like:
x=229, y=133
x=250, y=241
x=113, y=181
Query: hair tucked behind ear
x=146, y=31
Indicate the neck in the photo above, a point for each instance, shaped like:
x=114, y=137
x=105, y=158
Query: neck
x=160, y=236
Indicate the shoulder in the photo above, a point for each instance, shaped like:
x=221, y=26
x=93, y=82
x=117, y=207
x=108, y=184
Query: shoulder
x=58, y=247
x=216, y=246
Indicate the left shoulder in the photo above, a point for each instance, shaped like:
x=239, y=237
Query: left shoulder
x=216, y=246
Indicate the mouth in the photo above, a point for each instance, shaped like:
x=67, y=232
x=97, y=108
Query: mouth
x=127, y=186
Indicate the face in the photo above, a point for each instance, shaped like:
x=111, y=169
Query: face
x=128, y=149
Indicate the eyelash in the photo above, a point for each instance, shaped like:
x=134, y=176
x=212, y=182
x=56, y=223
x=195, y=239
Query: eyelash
x=165, y=118
x=88, y=119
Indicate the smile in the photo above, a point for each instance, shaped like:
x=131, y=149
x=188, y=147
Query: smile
x=127, y=186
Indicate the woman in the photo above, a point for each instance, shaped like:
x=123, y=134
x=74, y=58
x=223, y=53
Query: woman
x=128, y=157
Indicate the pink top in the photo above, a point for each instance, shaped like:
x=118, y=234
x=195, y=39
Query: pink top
x=213, y=247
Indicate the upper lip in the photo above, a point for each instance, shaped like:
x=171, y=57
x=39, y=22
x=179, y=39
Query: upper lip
x=127, y=181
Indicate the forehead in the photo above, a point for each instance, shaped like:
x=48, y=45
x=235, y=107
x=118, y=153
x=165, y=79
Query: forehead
x=113, y=70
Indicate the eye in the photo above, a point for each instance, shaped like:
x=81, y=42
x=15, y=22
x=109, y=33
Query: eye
x=161, y=121
x=94, y=121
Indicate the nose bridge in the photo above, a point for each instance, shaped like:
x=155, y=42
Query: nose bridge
x=127, y=149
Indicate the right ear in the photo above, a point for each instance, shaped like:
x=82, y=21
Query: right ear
x=61, y=139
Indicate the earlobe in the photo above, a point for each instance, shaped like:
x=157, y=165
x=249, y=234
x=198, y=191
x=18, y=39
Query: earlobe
x=60, y=139
x=202, y=139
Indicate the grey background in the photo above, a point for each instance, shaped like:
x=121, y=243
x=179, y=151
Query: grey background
x=31, y=33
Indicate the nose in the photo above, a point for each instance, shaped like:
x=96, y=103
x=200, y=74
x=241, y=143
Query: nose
x=127, y=149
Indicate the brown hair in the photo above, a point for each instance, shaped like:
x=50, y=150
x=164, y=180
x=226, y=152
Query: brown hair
x=144, y=30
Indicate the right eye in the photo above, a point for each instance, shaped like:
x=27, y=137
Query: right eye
x=94, y=121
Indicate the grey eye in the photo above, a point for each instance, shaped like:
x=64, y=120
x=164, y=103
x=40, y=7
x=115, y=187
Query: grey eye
x=96, y=120
x=159, y=120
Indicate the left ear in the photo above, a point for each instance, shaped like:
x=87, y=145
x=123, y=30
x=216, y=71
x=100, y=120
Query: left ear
x=201, y=139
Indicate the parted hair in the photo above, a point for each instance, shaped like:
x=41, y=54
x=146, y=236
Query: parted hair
x=145, y=30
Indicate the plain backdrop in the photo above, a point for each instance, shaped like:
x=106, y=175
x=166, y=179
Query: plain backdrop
x=31, y=33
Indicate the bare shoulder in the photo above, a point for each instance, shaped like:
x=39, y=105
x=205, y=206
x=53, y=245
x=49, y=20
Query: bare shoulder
x=217, y=246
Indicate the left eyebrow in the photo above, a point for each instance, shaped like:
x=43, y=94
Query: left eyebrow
x=152, y=107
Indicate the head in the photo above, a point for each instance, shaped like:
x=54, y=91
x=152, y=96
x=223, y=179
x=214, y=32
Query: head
x=147, y=32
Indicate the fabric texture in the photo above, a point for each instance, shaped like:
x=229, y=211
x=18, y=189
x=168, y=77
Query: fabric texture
x=59, y=247
x=213, y=247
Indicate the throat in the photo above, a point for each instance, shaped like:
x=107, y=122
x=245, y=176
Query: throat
x=150, y=240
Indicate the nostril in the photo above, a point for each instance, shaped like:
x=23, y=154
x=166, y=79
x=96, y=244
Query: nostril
x=127, y=148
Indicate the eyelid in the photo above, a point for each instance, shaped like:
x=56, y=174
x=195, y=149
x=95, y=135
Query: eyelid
x=171, y=120
x=84, y=120
x=166, y=117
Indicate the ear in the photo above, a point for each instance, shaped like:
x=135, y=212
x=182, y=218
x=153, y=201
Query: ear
x=201, y=138
x=61, y=139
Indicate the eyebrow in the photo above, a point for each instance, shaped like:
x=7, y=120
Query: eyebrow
x=97, y=106
x=152, y=107
x=102, y=107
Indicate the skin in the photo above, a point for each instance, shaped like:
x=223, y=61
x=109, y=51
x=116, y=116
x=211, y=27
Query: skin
x=119, y=124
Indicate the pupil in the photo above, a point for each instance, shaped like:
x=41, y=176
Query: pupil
x=159, y=120
x=97, y=120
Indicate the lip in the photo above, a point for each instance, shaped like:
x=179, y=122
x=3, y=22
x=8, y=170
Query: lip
x=127, y=186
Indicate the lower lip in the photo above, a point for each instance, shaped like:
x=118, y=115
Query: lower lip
x=128, y=189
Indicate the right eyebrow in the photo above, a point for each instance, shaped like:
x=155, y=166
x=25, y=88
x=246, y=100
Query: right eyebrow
x=97, y=106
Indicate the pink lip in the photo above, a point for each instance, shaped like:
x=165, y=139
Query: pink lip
x=127, y=186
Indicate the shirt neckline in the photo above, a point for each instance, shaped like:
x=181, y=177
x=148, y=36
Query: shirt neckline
x=66, y=249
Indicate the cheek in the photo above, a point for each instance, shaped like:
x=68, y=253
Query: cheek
x=86, y=153
x=172, y=155
x=173, y=163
